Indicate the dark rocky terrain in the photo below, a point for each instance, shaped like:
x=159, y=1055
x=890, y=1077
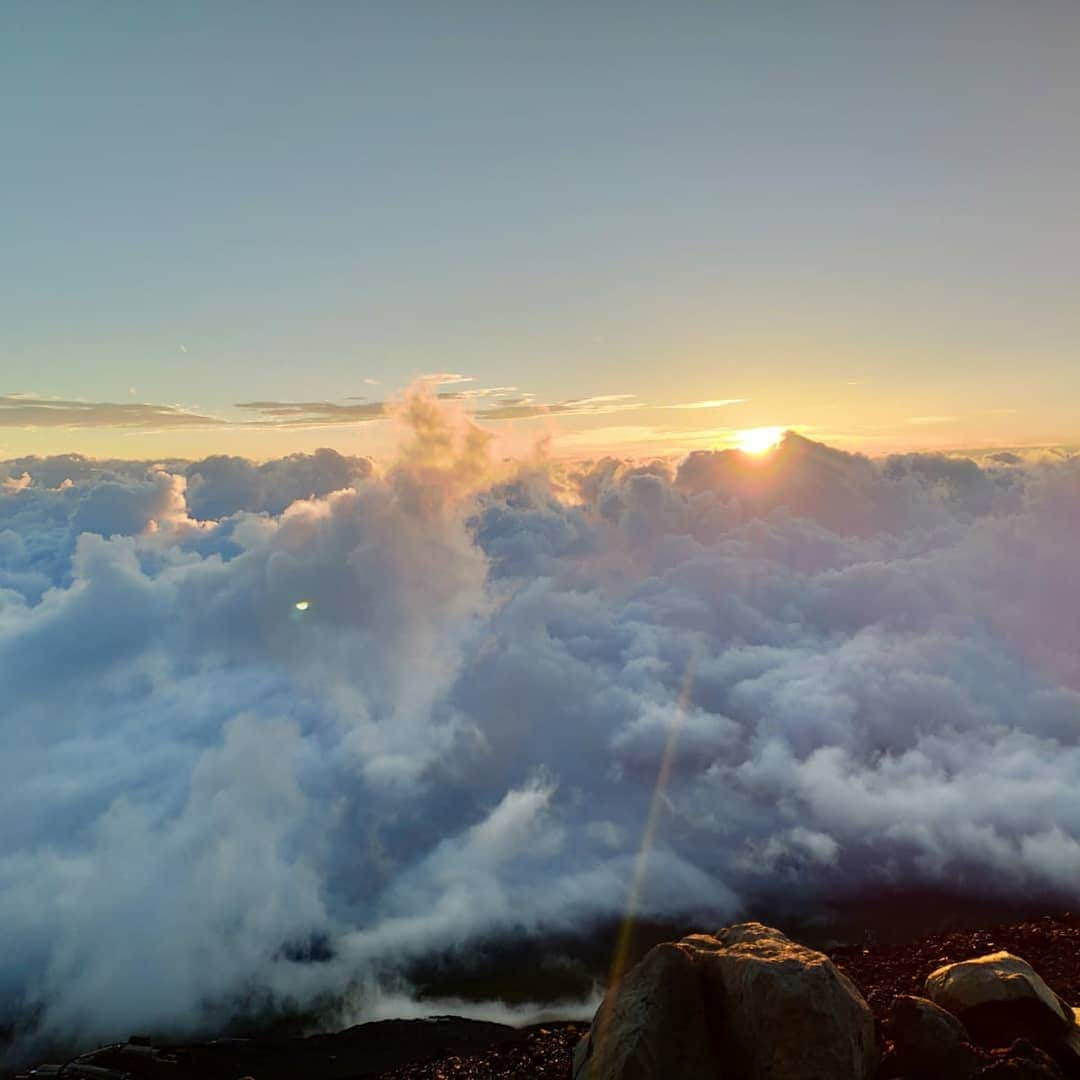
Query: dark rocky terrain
x=443, y=1045
x=1051, y=945
x=448, y=1048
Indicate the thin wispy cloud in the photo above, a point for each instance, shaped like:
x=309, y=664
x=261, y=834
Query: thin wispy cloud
x=594, y=406
x=507, y=393
x=446, y=378
x=932, y=419
x=311, y=413
x=26, y=411
x=487, y=403
x=713, y=403
x=520, y=407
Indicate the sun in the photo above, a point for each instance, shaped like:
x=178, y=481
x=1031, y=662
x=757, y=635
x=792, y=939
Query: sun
x=759, y=440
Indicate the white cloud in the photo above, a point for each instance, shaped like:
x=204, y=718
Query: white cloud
x=716, y=403
x=863, y=671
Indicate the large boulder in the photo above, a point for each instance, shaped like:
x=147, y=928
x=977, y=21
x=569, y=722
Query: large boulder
x=746, y=1002
x=928, y=1041
x=651, y=1025
x=1000, y=998
x=782, y=1011
x=1068, y=1053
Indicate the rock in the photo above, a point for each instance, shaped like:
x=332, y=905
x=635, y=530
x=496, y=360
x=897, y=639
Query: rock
x=747, y=1003
x=1068, y=1053
x=781, y=1011
x=1000, y=998
x=928, y=1041
x=581, y=1056
x=651, y=1025
x=1021, y=1061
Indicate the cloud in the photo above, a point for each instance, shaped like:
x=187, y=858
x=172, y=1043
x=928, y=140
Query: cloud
x=523, y=407
x=311, y=413
x=444, y=378
x=717, y=403
x=865, y=673
x=222, y=485
x=495, y=403
x=24, y=411
x=590, y=406
x=17, y=483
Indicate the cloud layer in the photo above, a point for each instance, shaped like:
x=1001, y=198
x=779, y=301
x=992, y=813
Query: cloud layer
x=865, y=673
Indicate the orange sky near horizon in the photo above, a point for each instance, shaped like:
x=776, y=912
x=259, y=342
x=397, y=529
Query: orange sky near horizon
x=627, y=427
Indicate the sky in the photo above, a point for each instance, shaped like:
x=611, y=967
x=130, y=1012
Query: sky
x=409, y=593
x=239, y=228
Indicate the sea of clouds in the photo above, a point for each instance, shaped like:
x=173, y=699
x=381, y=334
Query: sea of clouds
x=861, y=672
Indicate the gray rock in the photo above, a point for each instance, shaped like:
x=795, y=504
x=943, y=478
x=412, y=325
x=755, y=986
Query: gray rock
x=1000, y=998
x=651, y=1025
x=745, y=1003
x=581, y=1056
x=928, y=1041
x=782, y=1011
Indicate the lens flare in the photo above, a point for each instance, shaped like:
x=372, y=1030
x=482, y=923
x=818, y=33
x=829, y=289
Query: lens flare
x=619, y=962
x=759, y=440
x=302, y=605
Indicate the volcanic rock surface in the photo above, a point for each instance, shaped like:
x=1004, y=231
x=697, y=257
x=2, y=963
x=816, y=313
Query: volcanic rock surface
x=446, y=1047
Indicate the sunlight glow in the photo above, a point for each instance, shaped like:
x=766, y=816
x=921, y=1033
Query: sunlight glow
x=759, y=440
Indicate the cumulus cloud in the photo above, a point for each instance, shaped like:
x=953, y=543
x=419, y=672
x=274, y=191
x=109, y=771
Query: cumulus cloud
x=221, y=485
x=858, y=672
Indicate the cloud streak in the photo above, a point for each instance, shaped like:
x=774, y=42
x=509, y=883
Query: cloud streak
x=600, y=405
x=489, y=403
x=713, y=403
x=25, y=411
x=312, y=413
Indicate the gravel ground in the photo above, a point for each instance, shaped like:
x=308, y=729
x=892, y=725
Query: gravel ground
x=450, y=1048
x=1050, y=944
x=544, y=1052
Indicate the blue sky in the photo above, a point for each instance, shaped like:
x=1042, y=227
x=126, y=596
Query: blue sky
x=859, y=217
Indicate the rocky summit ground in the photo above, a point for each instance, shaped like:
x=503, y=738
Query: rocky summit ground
x=1051, y=944
x=454, y=1049
x=544, y=1052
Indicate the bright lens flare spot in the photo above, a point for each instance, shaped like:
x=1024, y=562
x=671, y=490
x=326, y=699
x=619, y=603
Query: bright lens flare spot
x=302, y=605
x=759, y=440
